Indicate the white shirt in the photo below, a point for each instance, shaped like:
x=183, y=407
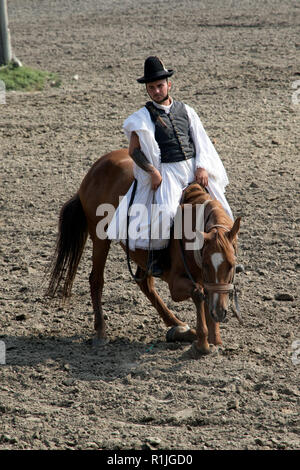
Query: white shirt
x=175, y=177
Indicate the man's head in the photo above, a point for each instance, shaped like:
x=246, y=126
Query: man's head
x=156, y=79
x=159, y=90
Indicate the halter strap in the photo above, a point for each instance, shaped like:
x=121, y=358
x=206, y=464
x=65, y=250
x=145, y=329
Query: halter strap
x=218, y=225
x=218, y=287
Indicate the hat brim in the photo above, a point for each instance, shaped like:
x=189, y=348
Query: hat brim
x=158, y=76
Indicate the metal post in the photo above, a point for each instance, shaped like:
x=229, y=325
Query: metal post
x=5, y=44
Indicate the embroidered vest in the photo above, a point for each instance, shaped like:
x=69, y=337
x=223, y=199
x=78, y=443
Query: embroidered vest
x=172, y=132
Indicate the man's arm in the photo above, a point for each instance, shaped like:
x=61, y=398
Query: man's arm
x=141, y=160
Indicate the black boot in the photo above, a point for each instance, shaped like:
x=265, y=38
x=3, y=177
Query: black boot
x=154, y=266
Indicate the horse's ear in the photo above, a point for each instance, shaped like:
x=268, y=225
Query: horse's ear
x=235, y=229
x=204, y=235
x=209, y=236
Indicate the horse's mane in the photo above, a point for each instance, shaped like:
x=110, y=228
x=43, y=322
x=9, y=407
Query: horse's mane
x=214, y=214
x=195, y=194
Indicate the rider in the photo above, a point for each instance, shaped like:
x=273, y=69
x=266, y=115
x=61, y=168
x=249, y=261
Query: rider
x=170, y=149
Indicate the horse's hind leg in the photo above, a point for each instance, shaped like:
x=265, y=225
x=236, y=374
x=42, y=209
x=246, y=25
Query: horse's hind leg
x=180, y=330
x=100, y=252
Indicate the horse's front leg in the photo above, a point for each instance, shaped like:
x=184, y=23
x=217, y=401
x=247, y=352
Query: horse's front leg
x=214, y=336
x=180, y=331
x=201, y=345
x=147, y=287
x=180, y=289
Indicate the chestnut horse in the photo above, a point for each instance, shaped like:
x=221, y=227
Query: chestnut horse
x=204, y=275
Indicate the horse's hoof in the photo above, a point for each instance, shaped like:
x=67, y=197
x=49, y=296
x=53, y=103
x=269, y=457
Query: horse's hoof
x=196, y=353
x=99, y=342
x=181, y=333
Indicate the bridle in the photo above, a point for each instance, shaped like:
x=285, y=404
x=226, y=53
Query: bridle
x=211, y=287
x=224, y=287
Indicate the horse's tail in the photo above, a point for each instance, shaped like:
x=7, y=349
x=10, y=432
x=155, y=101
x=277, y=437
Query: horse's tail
x=72, y=235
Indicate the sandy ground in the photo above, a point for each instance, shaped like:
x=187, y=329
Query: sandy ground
x=235, y=63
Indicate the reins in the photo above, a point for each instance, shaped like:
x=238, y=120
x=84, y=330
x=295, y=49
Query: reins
x=137, y=279
x=188, y=272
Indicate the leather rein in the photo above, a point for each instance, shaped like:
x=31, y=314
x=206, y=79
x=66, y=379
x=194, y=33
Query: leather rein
x=146, y=271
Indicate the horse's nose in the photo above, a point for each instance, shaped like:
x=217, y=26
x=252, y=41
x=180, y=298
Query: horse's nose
x=222, y=314
x=219, y=315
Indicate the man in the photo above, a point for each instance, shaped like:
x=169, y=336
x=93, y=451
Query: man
x=170, y=149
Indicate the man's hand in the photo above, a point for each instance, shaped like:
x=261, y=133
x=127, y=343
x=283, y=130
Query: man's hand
x=156, y=178
x=201, y=176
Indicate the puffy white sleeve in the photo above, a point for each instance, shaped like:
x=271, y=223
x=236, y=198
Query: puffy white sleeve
x=206, y=154
x=141, y=123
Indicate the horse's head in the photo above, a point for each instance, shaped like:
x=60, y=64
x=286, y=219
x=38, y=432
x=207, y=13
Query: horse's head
x=215, y=254
x=218, y=267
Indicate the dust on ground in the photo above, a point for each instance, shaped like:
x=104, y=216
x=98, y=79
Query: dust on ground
x=236, y=63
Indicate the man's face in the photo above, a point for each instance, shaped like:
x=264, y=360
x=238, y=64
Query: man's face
x=159, y=90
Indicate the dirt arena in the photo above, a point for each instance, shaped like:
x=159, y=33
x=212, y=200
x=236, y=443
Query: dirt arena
x=236, y=64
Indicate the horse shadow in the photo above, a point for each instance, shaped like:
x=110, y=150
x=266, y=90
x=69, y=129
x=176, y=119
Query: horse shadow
x=120, y=358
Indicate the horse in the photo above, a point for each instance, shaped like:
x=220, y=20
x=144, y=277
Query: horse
x=204, y=274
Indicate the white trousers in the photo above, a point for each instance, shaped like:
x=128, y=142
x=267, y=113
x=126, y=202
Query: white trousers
x=156, y=210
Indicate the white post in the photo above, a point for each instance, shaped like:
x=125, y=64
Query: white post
x=5, y=44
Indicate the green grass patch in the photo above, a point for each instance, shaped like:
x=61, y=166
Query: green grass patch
x=27, y=79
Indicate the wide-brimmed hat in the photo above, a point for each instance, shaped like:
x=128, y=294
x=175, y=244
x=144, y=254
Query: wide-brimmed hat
x=154, y=70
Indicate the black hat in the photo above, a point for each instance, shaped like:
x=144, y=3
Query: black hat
x=154, y=70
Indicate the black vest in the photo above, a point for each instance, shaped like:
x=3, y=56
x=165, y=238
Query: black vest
x=172, y=132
